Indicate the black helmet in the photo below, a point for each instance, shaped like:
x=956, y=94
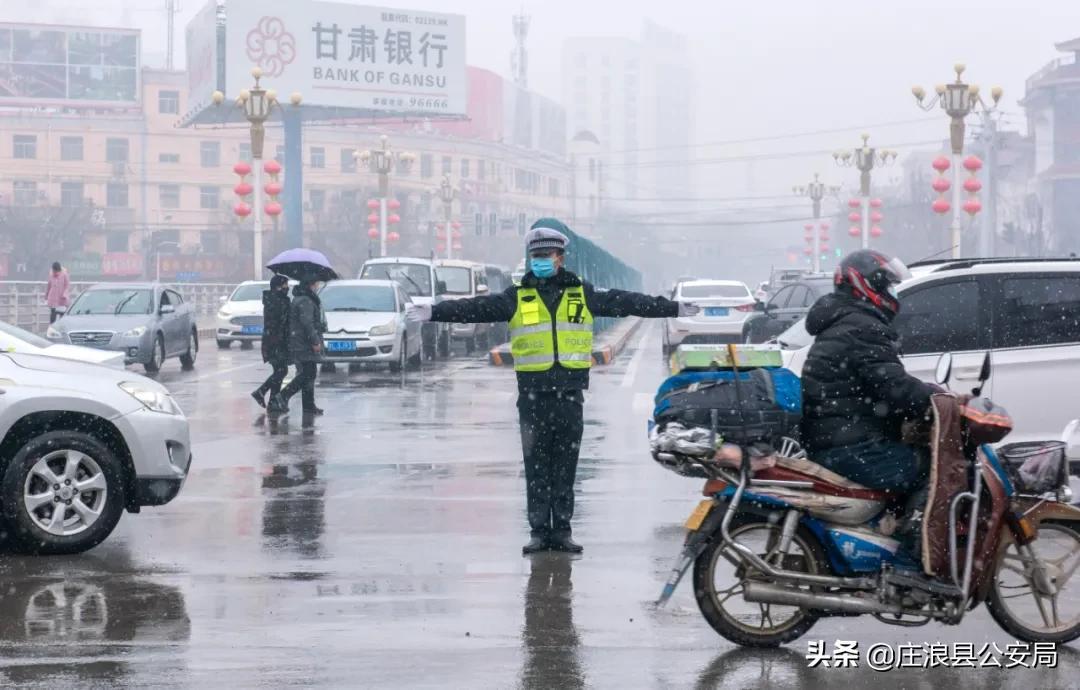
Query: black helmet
x=868, y=275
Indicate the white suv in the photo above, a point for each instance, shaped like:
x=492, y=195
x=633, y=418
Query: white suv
x=1026, y=312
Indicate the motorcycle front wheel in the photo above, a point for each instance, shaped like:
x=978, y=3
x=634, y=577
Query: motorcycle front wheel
x=719, y=577
x=1030, y=612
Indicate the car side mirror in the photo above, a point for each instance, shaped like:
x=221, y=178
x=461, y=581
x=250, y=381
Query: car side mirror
x=482, y=289
x=943, y=371
x=984, y=375
x=167, y=309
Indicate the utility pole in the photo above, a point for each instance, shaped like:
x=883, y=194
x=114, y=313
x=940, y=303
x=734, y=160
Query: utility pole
x=865, y=158
x=447, y=193
x=815, y=191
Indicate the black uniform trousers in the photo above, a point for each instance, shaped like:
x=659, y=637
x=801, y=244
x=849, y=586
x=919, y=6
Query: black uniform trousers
x=551, y=428
x=304, y=382
x=272, y=384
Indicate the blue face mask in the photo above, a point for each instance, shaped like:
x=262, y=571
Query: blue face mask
x=542, y=267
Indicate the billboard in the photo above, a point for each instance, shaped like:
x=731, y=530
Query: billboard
x=204, y=67
x=349, y=56
x=42, y=64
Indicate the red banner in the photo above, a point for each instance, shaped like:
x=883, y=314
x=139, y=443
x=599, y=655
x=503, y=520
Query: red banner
x=121, y=264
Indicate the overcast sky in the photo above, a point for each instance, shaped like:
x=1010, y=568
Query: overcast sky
x=762, y=68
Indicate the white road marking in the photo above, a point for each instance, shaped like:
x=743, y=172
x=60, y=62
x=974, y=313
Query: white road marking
x=219, y=372
x=632, y=368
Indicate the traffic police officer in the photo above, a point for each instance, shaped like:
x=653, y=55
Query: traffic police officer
x=551, y=336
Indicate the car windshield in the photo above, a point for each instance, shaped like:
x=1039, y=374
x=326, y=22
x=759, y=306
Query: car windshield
x=795, y=337
x=414, y=278
x=458, y=280
x=25, y=336
x=251, y=292
x=114, y=301
x=358, y=298
x=692, y=291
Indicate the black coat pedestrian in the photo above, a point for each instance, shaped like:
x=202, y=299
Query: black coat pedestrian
x=501, y=307
x=275, y=336
x=307, y=323
x=855, y=389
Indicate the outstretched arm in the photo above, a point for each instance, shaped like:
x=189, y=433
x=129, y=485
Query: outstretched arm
x=483, y=309
x=619, y=303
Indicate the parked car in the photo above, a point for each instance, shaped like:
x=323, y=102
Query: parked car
x=366, y=322
x=83, y=443
x=240, y=317
x=789, y=304
x=148, y=322
x=15, y=339
x=725, y=304
x=1025, y=311
x=498, y=281
x=417, y=277
x=460, y=280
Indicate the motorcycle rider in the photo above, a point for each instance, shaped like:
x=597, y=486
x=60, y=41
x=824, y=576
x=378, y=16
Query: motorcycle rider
x=856, y=393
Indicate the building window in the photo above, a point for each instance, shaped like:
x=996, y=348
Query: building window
x=348, y=160
x=116, y=195
x=71, y=194
x=25, y=193
x=209, y=198
x=243, y=151
x=210, y=154
x=317, y=199
x=481, y=167
x=25, y=146
x=116, y=241
x=427, y=165
x=447, y=165
x=168, y=158
x=168, y=102
x=348, y=199
x=464, y=167
x=169, y=195
x=71, y=148
x=318, y=157
x=210, y=241
x=116, y=150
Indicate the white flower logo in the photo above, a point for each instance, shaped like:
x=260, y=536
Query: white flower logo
x=270, y=46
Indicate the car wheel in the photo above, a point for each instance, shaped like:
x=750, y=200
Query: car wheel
x=399, y=365
x=157, y=355
x=246, y=344
x=224, y=344
x=62, y=493
x=187, y=360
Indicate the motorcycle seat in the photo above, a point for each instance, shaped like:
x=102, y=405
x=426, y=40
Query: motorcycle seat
x=825, y=481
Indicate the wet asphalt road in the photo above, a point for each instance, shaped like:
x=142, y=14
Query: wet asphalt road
x=380, y=547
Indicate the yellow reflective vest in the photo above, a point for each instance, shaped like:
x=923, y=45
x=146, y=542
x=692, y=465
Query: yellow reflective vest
x=537, y=341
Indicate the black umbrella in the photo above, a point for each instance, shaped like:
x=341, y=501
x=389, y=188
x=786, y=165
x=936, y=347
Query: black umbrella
x=303, y=265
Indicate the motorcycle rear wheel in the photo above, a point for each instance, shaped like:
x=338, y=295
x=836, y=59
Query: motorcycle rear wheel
x=1013, y=594
x=752, y=624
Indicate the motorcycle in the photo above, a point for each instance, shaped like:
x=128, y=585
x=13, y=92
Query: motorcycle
x=777, y=546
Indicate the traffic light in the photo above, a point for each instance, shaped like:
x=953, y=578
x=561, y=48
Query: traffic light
x=839, y=252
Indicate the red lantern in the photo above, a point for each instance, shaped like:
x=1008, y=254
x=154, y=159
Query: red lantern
x=972, y=184
x=394, y=218
x=440, y=235
x=940, y=185
x=809, y=251
x=876, y=217
x=875, y=203
x=440, y=226
x=809, y=233
x=241, y=209
x=972, y=206
x=392, y=236
x=242, y=169
x=457, y=226
x=854, y=203
x=243, y=189
x=272, y=188
x=824, y=235
x=941, y=206
x=824, y=247
x=972, y=163
x=373, y=218
x=373, y=204
x=272, y=167
x=393, y=204
x=876, y=231
x=809, y=227
x=440, y=247
x=825, y=226
x=373, y=233
x=854, y=231
x=941, y=164
x=854, y=217
x=273, y=209
x=456, y=234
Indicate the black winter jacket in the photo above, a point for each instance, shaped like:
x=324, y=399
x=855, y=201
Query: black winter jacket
x=854, y=388
x=307, y=323
x=275, y=335
x=501, y=307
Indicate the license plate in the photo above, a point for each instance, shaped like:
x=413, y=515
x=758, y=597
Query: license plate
x=698, y=516
x=716, y=311
x=251, y=330
x=341, y=346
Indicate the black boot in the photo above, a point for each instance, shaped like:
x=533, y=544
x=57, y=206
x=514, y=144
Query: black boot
x=278, y=405
x=257, y=396
x=561, y=541
x=536, y=544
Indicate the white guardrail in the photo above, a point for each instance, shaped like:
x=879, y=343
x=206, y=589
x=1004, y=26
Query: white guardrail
x=22, y=302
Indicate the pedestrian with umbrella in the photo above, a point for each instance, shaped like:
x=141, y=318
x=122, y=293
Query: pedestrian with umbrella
x=307, y=323
x=275, y=337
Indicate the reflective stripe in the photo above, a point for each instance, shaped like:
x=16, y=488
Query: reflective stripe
x=573, y=327
x=535, y=359
x=529, y=330
x=575, y=357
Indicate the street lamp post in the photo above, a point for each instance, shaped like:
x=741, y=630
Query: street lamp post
x=957, y=100
x=815, y=191
x=157, y=258
x=447, y=194
x=865, y=158
x=381, y=162
x=257, y=103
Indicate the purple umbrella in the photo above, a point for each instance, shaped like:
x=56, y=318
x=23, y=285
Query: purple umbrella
x=302, y=264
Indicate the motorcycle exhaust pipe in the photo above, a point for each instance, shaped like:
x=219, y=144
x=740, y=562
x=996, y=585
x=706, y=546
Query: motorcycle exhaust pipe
x=763, y=593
